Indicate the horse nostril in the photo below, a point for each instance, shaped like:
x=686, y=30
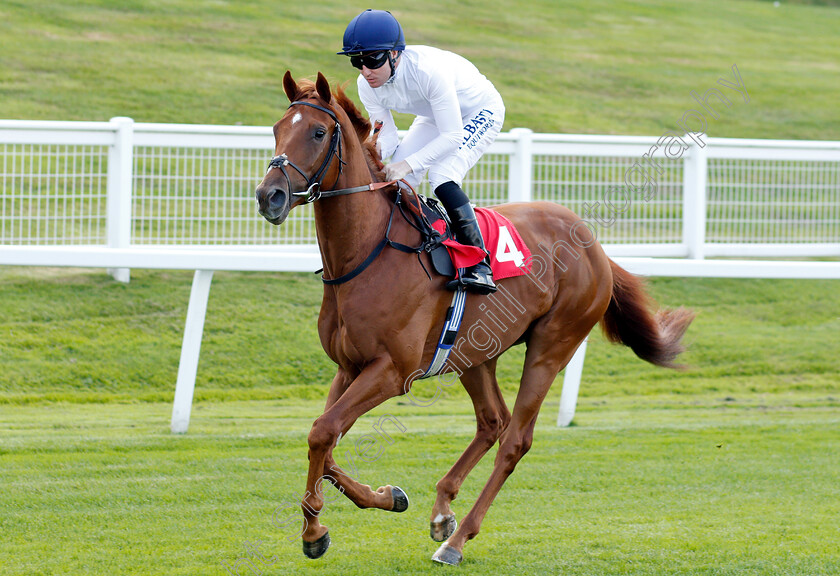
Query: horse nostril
x=277, y=199
x=262, y=195
x=268, y=196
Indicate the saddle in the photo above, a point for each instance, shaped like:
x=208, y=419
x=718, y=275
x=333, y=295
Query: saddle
x=431, y=239
x=447, y=254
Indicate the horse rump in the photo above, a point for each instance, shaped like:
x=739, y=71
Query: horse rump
x=654, y=337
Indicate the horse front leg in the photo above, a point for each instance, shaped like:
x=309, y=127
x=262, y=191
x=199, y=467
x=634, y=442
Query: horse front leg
x=391, y=498
x=375, y=384
x=359, y=494
x=341, y=381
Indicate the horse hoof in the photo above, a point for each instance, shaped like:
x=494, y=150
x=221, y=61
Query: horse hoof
x=447, y=555
x=318, y=548
x=400, y=499
x=442, y=527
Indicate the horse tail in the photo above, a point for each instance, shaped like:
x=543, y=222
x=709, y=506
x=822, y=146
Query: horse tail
x=654, y=337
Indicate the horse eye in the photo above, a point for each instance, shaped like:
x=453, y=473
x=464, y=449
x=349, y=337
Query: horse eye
x=320, y=133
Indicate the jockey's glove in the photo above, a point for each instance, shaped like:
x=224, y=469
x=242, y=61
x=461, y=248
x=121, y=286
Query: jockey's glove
x=397, y=171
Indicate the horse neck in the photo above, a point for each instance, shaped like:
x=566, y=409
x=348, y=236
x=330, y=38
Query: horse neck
x=349, y=227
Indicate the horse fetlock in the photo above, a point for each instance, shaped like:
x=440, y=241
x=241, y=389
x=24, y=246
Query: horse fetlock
x=442, y=505
x=313, y=530
x=469, y=529
x=447, y=491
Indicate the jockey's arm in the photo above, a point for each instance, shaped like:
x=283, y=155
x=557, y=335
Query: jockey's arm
x=446, y=110
x=388, y=138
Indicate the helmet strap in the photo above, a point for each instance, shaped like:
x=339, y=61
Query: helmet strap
x=392, y=63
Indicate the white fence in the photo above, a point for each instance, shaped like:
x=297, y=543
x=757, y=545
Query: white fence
x=121, y=194
x=122, y=184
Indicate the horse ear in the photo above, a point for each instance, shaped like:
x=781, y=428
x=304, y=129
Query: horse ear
x=290, y=86
x=323, y=87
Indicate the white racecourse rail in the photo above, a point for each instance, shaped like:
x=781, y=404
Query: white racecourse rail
x=122, y=195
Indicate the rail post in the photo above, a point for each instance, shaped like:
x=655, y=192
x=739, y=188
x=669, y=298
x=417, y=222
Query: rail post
x=571, y=385
x=120, y=176
x=521, y=166
x=190, y=350
x=694, y=201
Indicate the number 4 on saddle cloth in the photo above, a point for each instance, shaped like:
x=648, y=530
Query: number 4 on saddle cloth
x=509, y=256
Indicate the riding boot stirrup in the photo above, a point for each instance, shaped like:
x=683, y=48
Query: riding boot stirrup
x=478, y=278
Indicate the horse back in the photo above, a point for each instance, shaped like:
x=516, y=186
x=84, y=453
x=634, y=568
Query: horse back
x=569, y=268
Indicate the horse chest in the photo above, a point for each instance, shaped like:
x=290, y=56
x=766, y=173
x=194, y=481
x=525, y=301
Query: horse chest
x=356, y=337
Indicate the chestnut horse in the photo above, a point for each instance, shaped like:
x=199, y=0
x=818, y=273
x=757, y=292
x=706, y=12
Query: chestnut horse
x=381, y=326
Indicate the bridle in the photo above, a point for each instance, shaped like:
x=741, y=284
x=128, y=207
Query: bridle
x=313, y=190
x=313, y=184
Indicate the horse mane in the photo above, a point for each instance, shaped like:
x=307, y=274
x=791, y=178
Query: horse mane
x=361, y=125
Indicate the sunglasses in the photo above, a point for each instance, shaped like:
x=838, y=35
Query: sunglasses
x=372, y=61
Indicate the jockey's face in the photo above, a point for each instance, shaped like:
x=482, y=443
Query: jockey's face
x=376, y=77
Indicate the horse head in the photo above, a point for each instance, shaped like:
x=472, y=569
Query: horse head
x=311, y=149
x=307, y=149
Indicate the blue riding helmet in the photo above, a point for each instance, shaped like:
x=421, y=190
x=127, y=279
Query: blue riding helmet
x=373, y=30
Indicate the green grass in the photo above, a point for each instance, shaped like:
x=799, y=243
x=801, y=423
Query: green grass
x=701, y=488
x=78, y=336
x=576, y=67
x=726, y=468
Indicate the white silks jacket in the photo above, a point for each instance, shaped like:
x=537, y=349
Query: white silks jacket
x=437, y=86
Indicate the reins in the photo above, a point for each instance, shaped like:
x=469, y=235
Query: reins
x=313, y=192
x=425, y=246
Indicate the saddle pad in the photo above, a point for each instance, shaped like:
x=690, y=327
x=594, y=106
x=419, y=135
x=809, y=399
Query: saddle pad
x=509, y=256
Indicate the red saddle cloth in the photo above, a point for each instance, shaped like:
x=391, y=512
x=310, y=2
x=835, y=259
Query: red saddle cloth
x=509, y=256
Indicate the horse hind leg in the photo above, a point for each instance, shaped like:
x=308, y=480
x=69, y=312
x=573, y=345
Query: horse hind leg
x=541, y=368
x=492, y=417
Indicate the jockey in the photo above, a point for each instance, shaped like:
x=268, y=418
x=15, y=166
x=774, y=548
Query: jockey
x=458, y=113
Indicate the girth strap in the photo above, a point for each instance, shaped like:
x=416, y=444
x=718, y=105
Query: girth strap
x=454, y=315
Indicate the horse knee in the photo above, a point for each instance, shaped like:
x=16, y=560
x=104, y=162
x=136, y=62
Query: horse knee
x=504, y=420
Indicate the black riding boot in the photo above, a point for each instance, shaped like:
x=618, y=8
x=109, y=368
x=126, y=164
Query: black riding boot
x=478, y=278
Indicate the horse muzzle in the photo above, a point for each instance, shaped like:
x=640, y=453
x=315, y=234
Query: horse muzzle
x=274, y=203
